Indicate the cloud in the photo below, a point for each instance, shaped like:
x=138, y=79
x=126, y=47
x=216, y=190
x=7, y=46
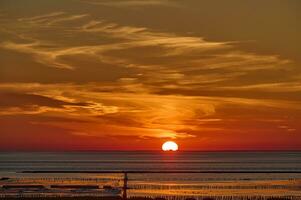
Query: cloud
x=21, y=102
x=287, y=128
x=145, y=115
x=46, y=57
x=178, y=54
x=41, y=18
x=131, y=3
x=269, y=87
x=66, y=19
x=10, y=99
x=14, y=103
x=175, y=85
x=143, y=37
x=51, y=19
x=51, y=54
x=121, y=112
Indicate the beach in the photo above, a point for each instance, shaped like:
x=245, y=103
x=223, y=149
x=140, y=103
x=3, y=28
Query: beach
x=160, y=198
x=197, y=175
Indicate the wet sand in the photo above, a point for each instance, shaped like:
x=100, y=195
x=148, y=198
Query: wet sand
x=65, y=198
x=146, y=198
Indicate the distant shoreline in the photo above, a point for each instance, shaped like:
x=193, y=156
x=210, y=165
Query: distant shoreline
x=147, y=151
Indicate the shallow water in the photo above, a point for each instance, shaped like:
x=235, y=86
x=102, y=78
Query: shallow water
x=283, y=184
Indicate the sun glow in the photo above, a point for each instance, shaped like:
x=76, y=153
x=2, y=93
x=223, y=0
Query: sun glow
x=170, y=146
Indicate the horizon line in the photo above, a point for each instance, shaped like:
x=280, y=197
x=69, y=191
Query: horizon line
x=147, y=150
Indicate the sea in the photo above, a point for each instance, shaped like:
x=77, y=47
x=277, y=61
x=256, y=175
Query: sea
x=280, y=172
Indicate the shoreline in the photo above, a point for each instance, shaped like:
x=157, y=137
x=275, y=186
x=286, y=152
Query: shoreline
x=37, y=197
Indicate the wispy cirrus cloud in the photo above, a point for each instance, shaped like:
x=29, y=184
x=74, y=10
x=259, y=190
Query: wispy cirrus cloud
x=131, y=37
x=291, y=86
x=178, y=85
x=143, y=37
x=171, y=111
x=131, y=3
x=47, y=57
x=52, y=19
x=41, y=18
x=176, y=58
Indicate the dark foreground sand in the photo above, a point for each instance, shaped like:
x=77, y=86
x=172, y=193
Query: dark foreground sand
x=145, y=198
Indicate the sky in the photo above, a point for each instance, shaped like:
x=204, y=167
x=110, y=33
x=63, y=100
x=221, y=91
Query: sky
x=131, y=74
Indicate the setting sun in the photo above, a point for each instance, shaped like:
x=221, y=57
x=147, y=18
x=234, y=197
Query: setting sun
x=170, y=146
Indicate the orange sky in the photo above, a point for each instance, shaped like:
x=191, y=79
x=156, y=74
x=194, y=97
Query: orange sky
x=131, y=74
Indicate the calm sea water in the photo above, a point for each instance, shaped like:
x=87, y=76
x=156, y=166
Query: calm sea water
x=284, y=161
x=12, y=163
